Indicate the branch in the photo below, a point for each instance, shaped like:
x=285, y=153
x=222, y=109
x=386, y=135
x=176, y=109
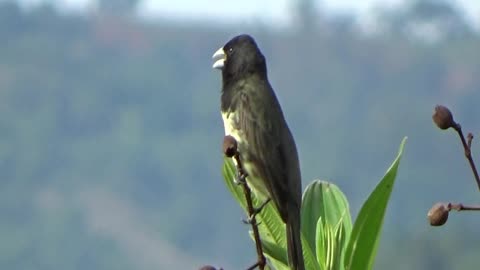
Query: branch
x=461, y=207
x=230, y=150
x=438, y=214
x=468, y=151
x=444, y=120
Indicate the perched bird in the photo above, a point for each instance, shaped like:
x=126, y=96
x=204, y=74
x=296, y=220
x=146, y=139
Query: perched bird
x=251, y=114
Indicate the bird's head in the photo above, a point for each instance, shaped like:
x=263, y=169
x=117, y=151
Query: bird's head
x=238, y=57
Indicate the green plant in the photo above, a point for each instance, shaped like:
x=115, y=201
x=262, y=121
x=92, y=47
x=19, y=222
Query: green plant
x=330, y=240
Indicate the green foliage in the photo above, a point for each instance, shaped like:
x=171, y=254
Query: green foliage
x=327, y=222
x=329, y=241
x=362, y=246
x=111, y=103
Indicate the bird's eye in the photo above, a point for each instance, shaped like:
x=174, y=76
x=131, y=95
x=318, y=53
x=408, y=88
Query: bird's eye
x=230, y=50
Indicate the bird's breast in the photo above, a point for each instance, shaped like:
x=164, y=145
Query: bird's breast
x=230, y=124
x=232, y=128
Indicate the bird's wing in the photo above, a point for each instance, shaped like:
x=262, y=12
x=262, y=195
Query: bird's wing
x=263, y=128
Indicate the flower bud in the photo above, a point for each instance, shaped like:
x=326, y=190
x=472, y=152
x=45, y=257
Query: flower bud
x=438, y=214
x=229, y=146
x=443, y=117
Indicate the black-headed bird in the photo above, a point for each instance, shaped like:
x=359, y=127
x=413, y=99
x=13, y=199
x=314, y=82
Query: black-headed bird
x=251, y=114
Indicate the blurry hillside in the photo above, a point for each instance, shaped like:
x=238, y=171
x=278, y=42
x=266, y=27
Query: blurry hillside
x=110, y=133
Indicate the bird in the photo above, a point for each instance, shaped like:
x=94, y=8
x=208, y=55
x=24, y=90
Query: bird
x=252, y=115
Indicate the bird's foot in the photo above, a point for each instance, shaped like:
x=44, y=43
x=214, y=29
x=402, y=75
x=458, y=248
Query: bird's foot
x=249, y=221
x=259, y=209
x=241, y=178
x=256, y=211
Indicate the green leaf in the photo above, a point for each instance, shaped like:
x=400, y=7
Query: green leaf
x=363, y=243
x=325, y=201
x=340, y=246
x=311, y=262
x=276, y=255
x=271, y=228
x=320, y=239
x=330, y=245
x=229, y=175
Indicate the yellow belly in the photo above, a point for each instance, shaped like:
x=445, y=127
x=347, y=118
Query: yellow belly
x=254, y=182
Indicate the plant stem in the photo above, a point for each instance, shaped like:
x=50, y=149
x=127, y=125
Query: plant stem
x=261, y=261
x=461, y=207
x=468, y=152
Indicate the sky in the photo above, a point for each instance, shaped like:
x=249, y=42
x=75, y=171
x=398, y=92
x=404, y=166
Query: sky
x=277, y=12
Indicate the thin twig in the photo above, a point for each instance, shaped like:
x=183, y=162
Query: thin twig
x=469, y=140
x=261, y=262
x=468, y=152
x=461, y=207
x=255, y=265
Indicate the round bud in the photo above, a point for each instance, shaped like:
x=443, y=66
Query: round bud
x=443, y=117
x=438, y=214
x=229, y=146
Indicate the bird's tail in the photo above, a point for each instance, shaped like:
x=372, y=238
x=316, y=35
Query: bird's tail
x=294, y=241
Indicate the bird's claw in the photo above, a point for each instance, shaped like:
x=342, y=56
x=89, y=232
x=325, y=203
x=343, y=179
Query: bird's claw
x=240, y=179
x=249, y=221
x=256, y=211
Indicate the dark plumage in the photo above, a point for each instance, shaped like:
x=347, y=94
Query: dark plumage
x=252, y=115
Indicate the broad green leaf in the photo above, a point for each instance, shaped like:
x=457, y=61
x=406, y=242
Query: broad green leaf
x=363, y=243
x=309, y=256
x=329, y=240
x=276, y=255
x=320, y=240
x=340, y=246
x=277, y=265
x=229, y=175
x=329, y=245
x=326, y=200
x=271, y=226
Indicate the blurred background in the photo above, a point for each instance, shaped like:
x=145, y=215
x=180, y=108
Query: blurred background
x=110, y=130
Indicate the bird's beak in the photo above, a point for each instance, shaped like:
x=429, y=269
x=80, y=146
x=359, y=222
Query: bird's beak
x=219, y=57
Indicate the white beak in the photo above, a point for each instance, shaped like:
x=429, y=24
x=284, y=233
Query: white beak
x=219, y=58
